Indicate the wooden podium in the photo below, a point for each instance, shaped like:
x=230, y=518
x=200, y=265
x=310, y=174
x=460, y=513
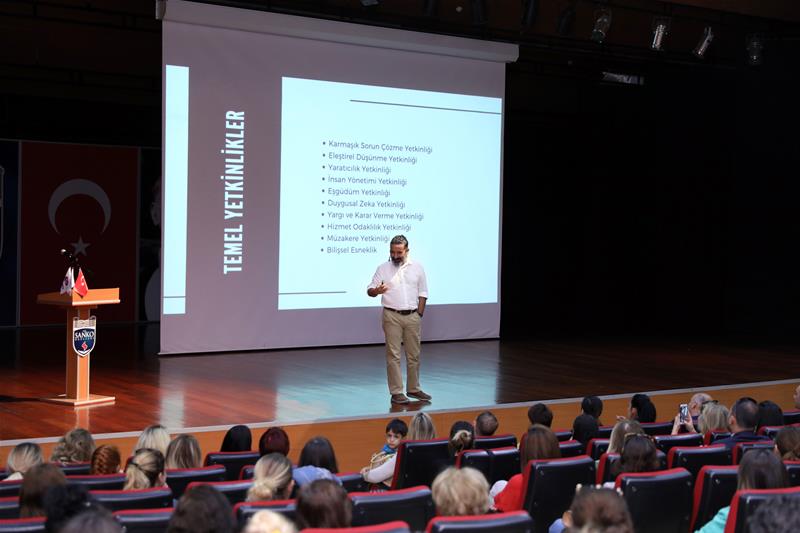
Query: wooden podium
x=78, y=367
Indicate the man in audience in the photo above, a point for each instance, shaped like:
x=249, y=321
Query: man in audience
x=486, y=424
x=539, y=413
x=743, y=421
x=696, y=403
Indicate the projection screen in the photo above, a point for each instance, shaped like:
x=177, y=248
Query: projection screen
x=294, y=149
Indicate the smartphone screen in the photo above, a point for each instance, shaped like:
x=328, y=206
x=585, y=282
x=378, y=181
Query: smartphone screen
x=684, y=412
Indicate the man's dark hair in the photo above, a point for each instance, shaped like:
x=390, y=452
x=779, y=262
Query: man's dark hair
x=539, y=413
x=399, y=239
x=769, y=414
x=592, y=406
x=776, y=515
x=745, y=412
x=203, y=509
x=584, y=428
x=62, y=502
x=397, y=426
x=486, y=424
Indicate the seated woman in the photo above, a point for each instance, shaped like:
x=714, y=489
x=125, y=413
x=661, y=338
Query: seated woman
x=154, y=437
x=317, y=461
x=273, y=440
x=787, y=443
x=145, y=470
x=638, y=454
x=323, y=504
x=202, y=509
x=36, y=483
x=622, y=428
x=272, y=479
x=106, y=460
x=22, y=458
x=713, y=417
x=77, y=446
x=540, y=443
x=184, y=452
x=642, y=409
x=237, y=439
x=461, y=492
x=759, y=469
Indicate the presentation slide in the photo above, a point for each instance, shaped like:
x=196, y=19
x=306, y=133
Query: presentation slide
x=363, y=164
x=295, y=149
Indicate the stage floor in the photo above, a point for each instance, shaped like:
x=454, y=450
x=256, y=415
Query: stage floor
x=287, y=386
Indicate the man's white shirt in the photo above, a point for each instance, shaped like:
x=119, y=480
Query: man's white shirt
x=406, y=284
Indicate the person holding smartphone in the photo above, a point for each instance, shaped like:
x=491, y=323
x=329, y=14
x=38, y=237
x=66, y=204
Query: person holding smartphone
x=403, y=288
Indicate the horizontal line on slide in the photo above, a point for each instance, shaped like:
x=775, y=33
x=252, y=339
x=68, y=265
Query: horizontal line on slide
x=426, y=107
x=322, y=292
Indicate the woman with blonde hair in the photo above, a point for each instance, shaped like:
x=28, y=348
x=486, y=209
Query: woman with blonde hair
x=77, y=446
x=184, y=452
x=272, y=478
x=713, y=417
x=22, y=458
x=145, y=470
x=421, y=427
x=461, y=492
x=106, y=460
x=154, y=437
x=622, y=428
x=269, y=522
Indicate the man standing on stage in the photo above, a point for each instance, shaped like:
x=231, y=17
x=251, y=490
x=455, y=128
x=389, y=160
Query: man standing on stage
x=404, y=290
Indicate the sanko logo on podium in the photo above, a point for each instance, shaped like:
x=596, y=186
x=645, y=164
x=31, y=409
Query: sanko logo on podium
x=84, y=333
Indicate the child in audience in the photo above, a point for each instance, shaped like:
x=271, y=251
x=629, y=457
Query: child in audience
x=381, y=465
x=584, y=428
x=539, y=443
x=592, y=406
x=106, y=460
x=485, y=424
x=22, y=458
x=539, y=413
x=596, y=509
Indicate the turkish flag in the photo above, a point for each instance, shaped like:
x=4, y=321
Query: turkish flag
x=80, y=284
x=83, y=199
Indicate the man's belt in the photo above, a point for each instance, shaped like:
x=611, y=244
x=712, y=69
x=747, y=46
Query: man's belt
x=401, y=311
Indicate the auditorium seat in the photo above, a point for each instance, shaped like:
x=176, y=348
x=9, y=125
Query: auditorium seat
x=235, y=491
x=120, y=500
x=793, y=469
x=666, y=442
x=770, y=431
x=75, y=469
x=179, y=478
x=3, y=473
x=9, y=507
x=98, y=482
x=597, y=447
x=604, y=432
x=244, y=510
x=512, y=522
x=571, y=448
x=418, y=462
x=791, y=417
x=743, y=447
x=353, y=482
x=657, y=428
x=397, y=526
x=605, y=470
x=495, y=441
x=693, y=458
x=505, y=463
x=247, y=472
x=659, y=502
x=745, y=503
x=478, y=459
x=23, y=525
x=713, y=490
x=232, y=461
x=10, y=488
x=144, y=520
x=713, y=436
x=413, y=505
x=549, y=486
x=562, y=434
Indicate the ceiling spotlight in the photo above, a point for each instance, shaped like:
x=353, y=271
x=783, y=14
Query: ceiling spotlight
x=660, y=31
x=755, y=50
x=566, y=20
x=530, y=8
x=705, y=41
x=479, y=13
x=602, y=23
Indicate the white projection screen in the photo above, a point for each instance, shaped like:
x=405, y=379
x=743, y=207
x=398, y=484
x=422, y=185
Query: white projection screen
x=295, y=149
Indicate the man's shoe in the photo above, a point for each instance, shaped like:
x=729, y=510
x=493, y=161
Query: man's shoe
x=399, y=398
x=419, y=395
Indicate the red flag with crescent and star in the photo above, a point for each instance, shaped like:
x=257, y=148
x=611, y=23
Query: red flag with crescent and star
x=81, y=198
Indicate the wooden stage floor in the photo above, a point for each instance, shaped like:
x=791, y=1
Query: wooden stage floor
x=305, y=385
